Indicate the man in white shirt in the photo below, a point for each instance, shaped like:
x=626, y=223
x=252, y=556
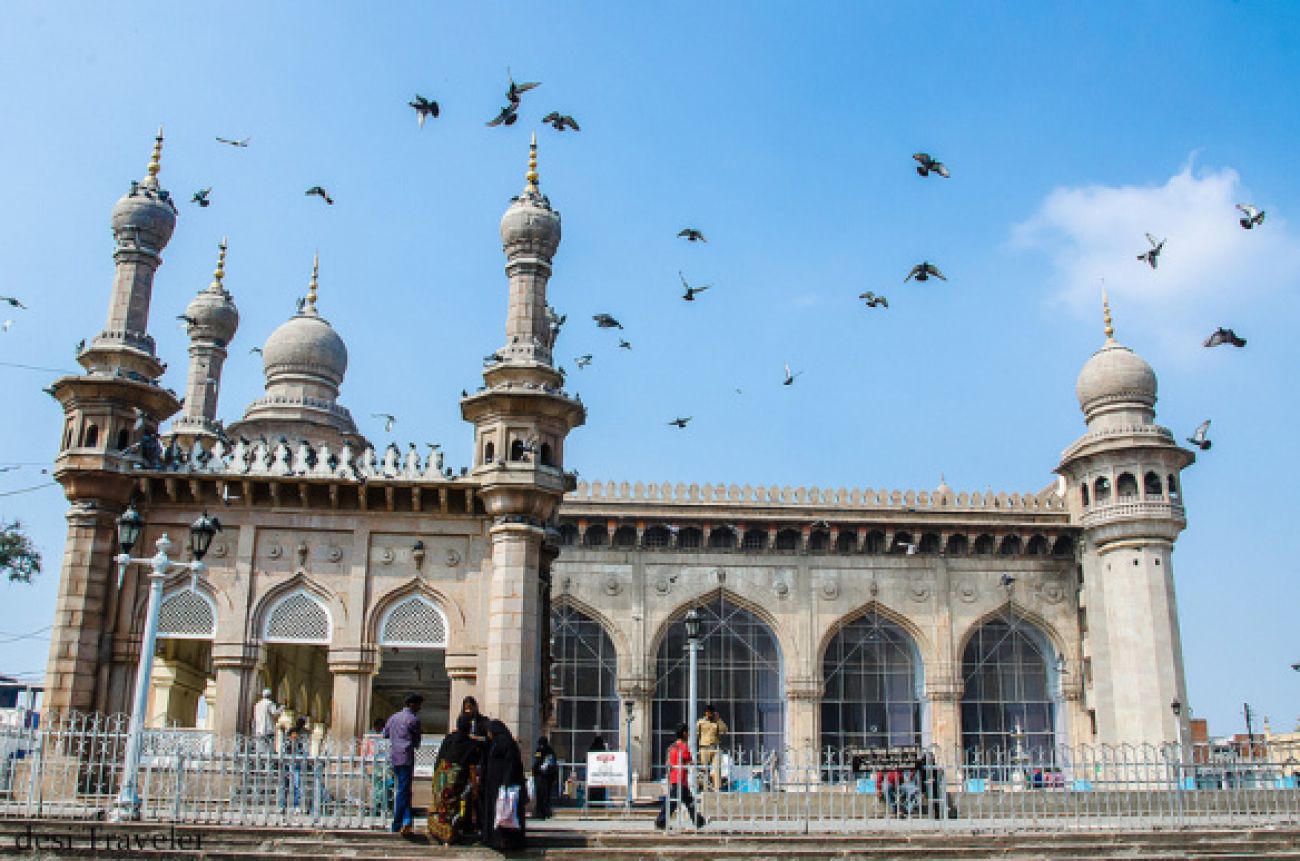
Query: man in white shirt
x=265, y=715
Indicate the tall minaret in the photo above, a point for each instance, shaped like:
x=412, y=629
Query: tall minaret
x=111, y=415
x=1124, y=488
x=212, y=319
x=521, y=419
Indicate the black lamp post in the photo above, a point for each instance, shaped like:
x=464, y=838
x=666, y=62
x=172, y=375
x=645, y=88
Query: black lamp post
x=692, y=623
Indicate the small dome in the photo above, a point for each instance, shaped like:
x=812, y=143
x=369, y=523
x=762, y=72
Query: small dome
x=1115, y=374
x=306, y=344
x=213, y=311
x=530, y=227
x=146, y=213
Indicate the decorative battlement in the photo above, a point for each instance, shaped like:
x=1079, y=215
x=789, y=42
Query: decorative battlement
x=1134, y=509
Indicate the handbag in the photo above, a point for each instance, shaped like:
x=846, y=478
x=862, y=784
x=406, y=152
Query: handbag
x=508, y=808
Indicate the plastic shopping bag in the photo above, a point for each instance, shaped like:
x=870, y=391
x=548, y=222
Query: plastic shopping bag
x=508, y=808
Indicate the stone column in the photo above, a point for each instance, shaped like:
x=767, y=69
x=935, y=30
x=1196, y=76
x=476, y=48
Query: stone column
x=174, y=692
x=640, y=690
x=943, y=696
x=462, y=669
x=512, y=677
x=804, y=696
x=350, y=705
x=237, y=688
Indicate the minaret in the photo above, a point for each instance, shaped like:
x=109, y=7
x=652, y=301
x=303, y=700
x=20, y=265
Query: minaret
x=111, y=415
x=212, y=319
x=521, y=419
x=1124, y=488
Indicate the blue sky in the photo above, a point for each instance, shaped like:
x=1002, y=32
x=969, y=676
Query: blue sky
x=784, y=132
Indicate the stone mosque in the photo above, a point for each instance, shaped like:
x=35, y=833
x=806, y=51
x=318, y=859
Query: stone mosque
x=347, y=575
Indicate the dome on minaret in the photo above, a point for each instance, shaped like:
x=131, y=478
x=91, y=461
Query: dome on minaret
x=212, y=311
x=306, y=346
x=1115, y=378
x=530, y=227
x=146, y=214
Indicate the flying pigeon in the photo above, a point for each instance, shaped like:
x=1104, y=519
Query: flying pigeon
x=789, y=377
x=424, y=108
x=509, y=114
x=1254, y=215
x=257, y=350
x=389, y=420
x=5, y=325
x=926, y=164
x=560, y=122
x=242, y=142
x=690, y=234
x=874, y=301
x=14, y=303
x=321, y=193
x=517, y=90
x=1007, y=580
x=1152, y=257
x=689, y=295
x=605, y=321
x=1224, y=336
x=922, y=272
x=1198, y=436
x=201, y=197
x=680, y=421
x=187, y=322
x=626, y=345
x=582, y=361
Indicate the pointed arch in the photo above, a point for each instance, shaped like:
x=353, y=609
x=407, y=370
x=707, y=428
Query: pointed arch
x=453, y=616
x=584, y=673
x=187, y=614
x=299, y=583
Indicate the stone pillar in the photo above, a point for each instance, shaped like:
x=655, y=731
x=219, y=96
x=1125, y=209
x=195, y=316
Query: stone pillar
x=512, y=677
x=350, y=705
x=462, y=669
x=174, y=692
x=641, y=757
x=210, y=700
x=804, y=696
x=237, y=687
x=943, y=697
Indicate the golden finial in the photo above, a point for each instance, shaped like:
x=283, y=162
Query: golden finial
x=155, y=163
x=1105, y=309
x=220, y=272
x=311, y=288
x=532, y=176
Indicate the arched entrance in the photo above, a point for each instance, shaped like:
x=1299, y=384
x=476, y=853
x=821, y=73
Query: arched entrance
x=182, y=686
x=296, y=630
x=1011, y=686
x=585, y=669
x=412, y=640
x=873, y=686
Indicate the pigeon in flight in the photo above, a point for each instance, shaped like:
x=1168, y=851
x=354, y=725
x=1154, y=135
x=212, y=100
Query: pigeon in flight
x=626, y=345
x=241, y=143
x=690, y=234
x=874, y=301
x=424, y=108
x=187, y=322
x=925, y=165
x=517, y=90
x=582, y=361
x=13, y=302
x=389, y=420
x=689, y=295
x=508, y=116
x=1254, y=215
x=680, y=421
x=790, y=377
x=909, y=549
x=1007, y=580
x=1224, y=336
x=4, y=327
x=201, y=197
x=1152, y=257
x=922, y=272
x=605, y=321
x=560, y=122
x=1198, y=437
x=257, y=350
x=320, y=192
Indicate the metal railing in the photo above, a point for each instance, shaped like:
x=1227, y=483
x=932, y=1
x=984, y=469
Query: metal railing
x=71, y=766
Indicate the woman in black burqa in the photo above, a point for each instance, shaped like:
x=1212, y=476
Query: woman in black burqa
x=455, y=784
x=503, y=766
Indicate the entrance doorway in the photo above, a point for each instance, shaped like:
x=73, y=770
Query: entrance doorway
x=412, y=660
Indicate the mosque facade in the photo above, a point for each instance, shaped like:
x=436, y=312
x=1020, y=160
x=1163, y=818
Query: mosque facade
x=346, y=576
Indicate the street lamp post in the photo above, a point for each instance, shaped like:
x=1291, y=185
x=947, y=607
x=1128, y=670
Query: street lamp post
x=129, y=526
x=692, y=647
x=1177, y=708
x=628, y=705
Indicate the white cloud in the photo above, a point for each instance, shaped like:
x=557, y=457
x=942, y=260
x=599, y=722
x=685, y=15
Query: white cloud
x=1210, y=269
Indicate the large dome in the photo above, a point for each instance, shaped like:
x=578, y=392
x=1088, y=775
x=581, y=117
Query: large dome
x=306, y=344
x=1115, y=374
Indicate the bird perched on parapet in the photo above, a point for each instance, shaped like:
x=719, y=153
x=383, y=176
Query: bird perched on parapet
x=908, y=548
x=605, y=321
x=582, y=361
x=508, y=117
x=874, y=301
x=187, y=321
x=1198, y=437
x=690, y=234
x=243, y=142
x=424, y=108
x=1224, y=336
x=790, y=377
x=626, y=345
x=689, y=295
x=389, y=420
x=320, y=192
x=81, y=346
x=560, y=122
x=140, y=418
x=1007, y=581
x=1152, y=257
x=1254, y=215
x=13, y=302
x=927, y=165
x=680, y=421
x=201, y=196
x=922, y=272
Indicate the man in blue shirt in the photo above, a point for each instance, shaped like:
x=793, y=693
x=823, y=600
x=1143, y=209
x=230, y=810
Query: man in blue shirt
x=403, y=733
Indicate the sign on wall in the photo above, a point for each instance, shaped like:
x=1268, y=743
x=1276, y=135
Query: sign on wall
x=607, y=768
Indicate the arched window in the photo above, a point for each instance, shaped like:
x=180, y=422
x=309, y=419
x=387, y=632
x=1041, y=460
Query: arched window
x=722, y=538
x=929, y=543
x=1007, y=709
x=958, y=545
x=187, y=614
x=819, y=540
x=1151, y=485
x=740, y=672
x=568, y=534
x=123, y=439
x=91, y=439
x=872, y=677
x=846, y=541
x=690, y=538
x=1101, y=490
x=1064, y=546
x=547, y=455
x=657, y=536
x=414, y=622
x=1126, y=485
x=585, y=671
x=902, y=540
x=299, y=617
x=597, y=536
x=755, y=539
x=1173, y=486
x=517, y=449
x=984, y=545
x=1083, y=491
x=489, y=452
x=787, y=539
x=1010, y=546
x=875, y=541
x=625, y=536
x=1037, y=546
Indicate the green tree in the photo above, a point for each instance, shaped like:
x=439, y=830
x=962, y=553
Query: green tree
x=19, y=557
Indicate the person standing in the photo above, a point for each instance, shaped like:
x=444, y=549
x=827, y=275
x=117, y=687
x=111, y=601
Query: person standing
x=265, y=715
x=710, y=731
x=502, y=769
x=403, y=734
x=679, y=780
x=546, y=768
x=455, y=792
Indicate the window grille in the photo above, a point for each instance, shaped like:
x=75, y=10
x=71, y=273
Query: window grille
x=586, y=671
x=872, y=682
x=416, y=621
x=298, y=618
x=657, y=536
x=187, y=615
x=1007, y=708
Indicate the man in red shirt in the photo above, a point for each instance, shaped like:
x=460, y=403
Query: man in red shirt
x=679, y=781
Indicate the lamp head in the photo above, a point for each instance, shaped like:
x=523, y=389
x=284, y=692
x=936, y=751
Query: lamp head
x=692, y=622
x=201, y=534
x=1176, y=707
x=129, y=526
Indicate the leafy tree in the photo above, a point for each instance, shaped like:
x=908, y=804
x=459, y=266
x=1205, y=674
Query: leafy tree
x=19, y=557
